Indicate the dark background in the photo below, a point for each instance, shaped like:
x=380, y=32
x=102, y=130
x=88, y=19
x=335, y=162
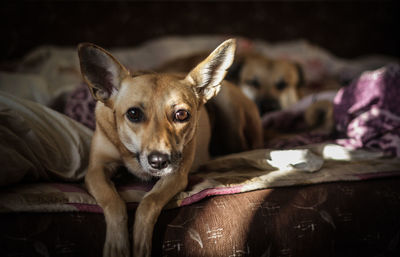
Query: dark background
x=347, y=29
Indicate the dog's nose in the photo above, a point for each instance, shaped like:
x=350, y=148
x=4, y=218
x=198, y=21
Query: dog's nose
x=158, y=160
x=268, y=105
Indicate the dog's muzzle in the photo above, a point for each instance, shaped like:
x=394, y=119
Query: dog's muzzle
x=158, y=164
x=267, y=105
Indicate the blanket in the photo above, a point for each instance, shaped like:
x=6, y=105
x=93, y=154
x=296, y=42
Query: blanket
x=40, y=144
x=367, y=112
x=254, y=170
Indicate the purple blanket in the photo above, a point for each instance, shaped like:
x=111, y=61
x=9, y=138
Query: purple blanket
x=367, y=112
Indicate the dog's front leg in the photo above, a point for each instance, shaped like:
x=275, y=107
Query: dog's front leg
x=151, y=205
x=149, y=209
x=103, y=190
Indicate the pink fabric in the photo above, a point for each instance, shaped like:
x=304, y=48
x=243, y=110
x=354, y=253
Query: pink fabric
x=211, y=191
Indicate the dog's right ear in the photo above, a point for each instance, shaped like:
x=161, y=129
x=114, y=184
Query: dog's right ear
x=102, y=72
x=207, y=76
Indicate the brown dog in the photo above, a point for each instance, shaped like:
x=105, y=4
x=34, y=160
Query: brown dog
x=157, y=126
x=272, y=84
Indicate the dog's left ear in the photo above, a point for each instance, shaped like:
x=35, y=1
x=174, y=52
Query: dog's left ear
x=207, y=76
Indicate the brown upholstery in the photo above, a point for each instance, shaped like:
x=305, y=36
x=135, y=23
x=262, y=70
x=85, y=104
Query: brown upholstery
x=333, y=219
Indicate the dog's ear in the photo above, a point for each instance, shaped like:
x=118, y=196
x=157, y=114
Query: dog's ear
x=102, y=72
x=207, y=76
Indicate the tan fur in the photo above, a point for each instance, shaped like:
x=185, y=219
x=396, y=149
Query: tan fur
x=245, y=127
x=178, y=147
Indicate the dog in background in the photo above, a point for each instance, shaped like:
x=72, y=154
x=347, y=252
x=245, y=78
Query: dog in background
x=271, y=84
x=158, y=127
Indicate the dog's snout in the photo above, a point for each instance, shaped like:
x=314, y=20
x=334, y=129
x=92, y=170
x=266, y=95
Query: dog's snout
x=158, y=160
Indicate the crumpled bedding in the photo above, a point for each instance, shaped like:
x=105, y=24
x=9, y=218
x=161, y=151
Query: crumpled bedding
x=56, y=72
x=367, y=112
x=292, y=121
x=256, y=169
x=40, y=144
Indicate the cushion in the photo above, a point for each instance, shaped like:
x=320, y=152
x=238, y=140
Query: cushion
x=37, y=143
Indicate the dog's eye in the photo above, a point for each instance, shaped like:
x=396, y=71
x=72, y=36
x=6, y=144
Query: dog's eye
x=254, y=82
x=281, y=85
x=181, y=116
x=135, y=115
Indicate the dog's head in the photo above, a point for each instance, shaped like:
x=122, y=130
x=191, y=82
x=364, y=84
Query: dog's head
x=272, y=84
x=155, y=115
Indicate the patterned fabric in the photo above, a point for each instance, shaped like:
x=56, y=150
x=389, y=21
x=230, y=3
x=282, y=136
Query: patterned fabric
x=330, y=219
x=367, y=112
x=80, y=106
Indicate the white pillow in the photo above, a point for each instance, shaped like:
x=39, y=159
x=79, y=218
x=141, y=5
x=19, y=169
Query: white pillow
x=37, y=143
x=27, y=86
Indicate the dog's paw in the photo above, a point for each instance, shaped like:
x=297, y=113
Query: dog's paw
x=116, y=244
x=115, y=249
x=142, y=245
x=141, y=250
